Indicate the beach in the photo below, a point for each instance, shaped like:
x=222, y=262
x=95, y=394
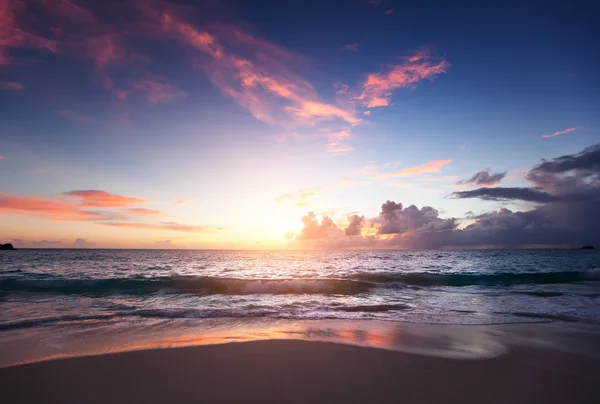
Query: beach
x=294, y=371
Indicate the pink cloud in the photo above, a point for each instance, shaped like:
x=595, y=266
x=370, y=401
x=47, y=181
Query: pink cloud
x=54, y=210
x=389, y=11
x=562, y=132
x=11, y=85
x=260, y=81
x=78, y=209
x=157, y=91
x=12, y=36
x=101, y=199
x=351, y=47
x=378, y=87
x=337, y=143
x=434, y=166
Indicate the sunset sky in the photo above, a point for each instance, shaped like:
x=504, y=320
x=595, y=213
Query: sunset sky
x=224, y=123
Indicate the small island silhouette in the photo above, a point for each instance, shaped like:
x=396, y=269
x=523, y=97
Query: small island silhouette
x=587, y=247
x=7, y=246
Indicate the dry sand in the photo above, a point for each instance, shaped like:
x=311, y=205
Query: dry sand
x=288, y=371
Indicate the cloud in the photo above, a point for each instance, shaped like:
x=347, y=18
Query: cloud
x=389, y=11
x=377, y=89
x=484, y=177
x=13, y=36
x=52, y=209
x=262, y=82
x=11, y=85
x=434, y=166
x=102, y=199
x=172, y=226
x=565, y=178
x=566, y=190
x=505, y=194
x=300, y=198
x=337, y=144
x=82, y=243
x=260, y=76
x=314, y=230
x=562, y=132
x=351, y=47
x=157, y=91
x=355, y=226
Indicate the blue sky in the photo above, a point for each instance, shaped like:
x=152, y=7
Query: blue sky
x=234, y=119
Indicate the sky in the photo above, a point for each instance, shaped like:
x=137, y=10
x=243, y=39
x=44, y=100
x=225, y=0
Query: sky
x=282, y=124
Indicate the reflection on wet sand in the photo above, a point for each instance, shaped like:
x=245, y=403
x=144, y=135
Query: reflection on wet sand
x=100, y=337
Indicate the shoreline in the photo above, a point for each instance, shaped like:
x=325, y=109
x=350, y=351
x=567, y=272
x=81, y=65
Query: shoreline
x=466, y=342
x=297, y=371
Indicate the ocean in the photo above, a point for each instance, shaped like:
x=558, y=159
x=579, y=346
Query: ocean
x=460, y=287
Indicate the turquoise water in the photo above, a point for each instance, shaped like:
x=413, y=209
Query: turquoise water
x=66, y=287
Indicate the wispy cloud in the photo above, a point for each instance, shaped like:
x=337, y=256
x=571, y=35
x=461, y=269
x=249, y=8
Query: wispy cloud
x=48, y=208
x=11, y=85
x=103, y=199
x=389, y=11
x=378, y=87
x=172, y=226
x=258, y=75
x=351, y=47
x=337, y=144
x=434, y=166
x=85, y=208
x=13, y=36
x=157, y=91
x=143, y=212
x=562, y=132
x=300, y=198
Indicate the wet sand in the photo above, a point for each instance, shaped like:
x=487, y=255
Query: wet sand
x=290, y=371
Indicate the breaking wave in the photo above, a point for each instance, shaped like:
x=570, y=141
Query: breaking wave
x=354, y=284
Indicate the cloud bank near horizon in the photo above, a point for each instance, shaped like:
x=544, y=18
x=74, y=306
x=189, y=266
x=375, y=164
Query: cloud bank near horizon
x=565, y=189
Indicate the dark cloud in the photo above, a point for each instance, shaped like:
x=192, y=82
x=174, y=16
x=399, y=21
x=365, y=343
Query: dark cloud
x=484, y=177
x=577, y=174
x=503, y=194
x=395, y=219
x=355, y=225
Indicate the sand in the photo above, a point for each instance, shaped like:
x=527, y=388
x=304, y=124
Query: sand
x=289, y=371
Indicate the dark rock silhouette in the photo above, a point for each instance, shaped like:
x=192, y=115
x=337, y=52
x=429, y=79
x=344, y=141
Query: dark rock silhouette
x=587, y=247
x=7, y=247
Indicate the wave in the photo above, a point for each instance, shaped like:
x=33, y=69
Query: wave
x=425, y=279
x=354, y=284
x=185, y=285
